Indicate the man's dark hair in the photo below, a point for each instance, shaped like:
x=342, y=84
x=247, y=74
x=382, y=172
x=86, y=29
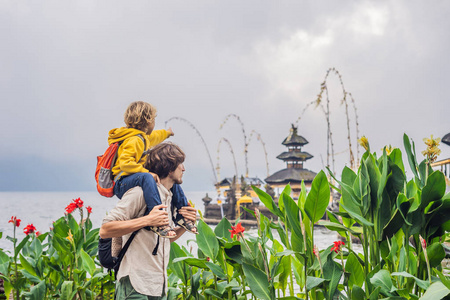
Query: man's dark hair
x=164, y=158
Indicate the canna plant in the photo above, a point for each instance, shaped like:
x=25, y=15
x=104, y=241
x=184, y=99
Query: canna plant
x=400, y=222
x=58, y=264
x=389, y=211
x=231, y=265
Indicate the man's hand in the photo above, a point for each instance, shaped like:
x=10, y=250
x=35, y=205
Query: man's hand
x=170, y=131
x=189, y=213
x=156, y=177
x=158, y=217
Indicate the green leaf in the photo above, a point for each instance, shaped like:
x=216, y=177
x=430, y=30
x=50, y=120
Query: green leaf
x=4, y=262
x=178, y=268
x=67, y=290
x=192, y=261
x=383, y=280
x=423, y=284
x=436, y=291
x=26, y=265
x=332, y=271
x=21, y=245
x=445, y=281
x=235, y=253
x=396, y=157
x=173, y=293
x=410, y=152
x=36, y=246
x=394, y=225
x=8, y=288
x=87, y=262
x=337, y=227
x=214, y=293
x=292, y=212
x=37, y=292
x=223, y=229
x=318, y=197
x=348, y=176
x=434, y=189
x=267, y=201
x=73, y=224
x=375, y=293
x=257, y=281
x=312, y=282
x=207, y=241
x=285, y=193
x=353, y=266
x=302, y=196
x=217, y=270
x=358, y=293
x=436, y=254
x=360, y=219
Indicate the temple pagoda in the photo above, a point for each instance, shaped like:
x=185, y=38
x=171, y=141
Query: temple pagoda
x=294, y=172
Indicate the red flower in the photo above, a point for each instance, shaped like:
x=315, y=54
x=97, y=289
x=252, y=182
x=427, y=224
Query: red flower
x=423, y=242
x=15, y=221
x=89, y=209
x=29, y=229
x=337, y=246
x=78, y=202
x=37, y=233
x=71, y=207
x=208, y=259
x=316, y=251
x=236, y=229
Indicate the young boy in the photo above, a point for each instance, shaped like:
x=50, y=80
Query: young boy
x=137, y=137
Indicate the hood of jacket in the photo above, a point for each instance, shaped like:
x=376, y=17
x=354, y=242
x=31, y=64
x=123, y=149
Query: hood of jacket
x=122, y=133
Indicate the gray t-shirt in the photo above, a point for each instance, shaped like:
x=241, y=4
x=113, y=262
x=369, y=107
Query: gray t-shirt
x=147, y=272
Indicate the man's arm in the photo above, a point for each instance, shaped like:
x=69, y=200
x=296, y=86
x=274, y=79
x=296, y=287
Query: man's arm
x=156, y=217
x=189, y=213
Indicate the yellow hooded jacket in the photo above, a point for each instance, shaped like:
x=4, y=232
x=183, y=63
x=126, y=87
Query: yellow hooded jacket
x=132, y=148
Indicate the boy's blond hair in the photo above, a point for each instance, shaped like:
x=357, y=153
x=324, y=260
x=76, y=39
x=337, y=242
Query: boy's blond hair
x=139, y=114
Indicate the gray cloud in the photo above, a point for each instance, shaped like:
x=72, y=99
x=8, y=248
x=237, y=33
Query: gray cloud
x=68, y=71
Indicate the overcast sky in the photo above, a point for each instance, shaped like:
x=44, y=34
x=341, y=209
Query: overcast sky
x=68, y=70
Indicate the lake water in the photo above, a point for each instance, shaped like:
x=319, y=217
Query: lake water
x=42, y=208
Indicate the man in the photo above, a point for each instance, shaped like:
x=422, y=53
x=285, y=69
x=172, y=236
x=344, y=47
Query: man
x=143, y=270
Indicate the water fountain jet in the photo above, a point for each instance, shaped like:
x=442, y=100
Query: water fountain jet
x=201, y=138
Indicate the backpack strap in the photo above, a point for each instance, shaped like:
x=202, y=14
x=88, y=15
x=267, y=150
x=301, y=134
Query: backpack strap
x=115, y=156
x=123, y=251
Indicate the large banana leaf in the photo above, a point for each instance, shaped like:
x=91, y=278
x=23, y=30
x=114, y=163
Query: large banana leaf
x=318, y=197
x=207, y=241
x=258, y=282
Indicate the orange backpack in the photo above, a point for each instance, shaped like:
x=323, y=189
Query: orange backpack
x=103, y=172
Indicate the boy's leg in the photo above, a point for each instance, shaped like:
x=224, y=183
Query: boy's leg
x=146, y=182
x=151, y=197
x=178, y=200
x=124, y=184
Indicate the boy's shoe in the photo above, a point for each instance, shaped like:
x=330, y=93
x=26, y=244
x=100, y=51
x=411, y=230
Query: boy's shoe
x=163, y=231
x=188, y=225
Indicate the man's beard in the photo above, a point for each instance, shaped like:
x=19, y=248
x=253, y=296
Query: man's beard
x=178, y=181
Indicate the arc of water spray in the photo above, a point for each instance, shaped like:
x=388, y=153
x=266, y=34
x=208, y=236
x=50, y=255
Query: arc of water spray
x=245, y=138
x=318, y=101
x=218, y=157
x=258, y=137
x=201, y=137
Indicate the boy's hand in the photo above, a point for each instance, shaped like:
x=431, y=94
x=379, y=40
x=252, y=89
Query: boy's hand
x=156, y=177
x=170, y=131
